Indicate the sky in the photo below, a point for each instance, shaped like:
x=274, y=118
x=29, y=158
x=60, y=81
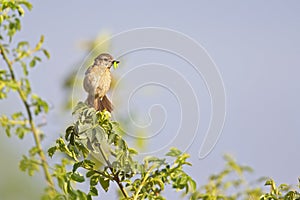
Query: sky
x=254, y=45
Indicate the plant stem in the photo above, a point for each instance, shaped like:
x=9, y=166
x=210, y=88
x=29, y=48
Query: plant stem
x=143, y=182
x=116, y=178
x=103, y=174
x=31, y=122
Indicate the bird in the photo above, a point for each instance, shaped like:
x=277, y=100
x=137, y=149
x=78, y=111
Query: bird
x=97, y=82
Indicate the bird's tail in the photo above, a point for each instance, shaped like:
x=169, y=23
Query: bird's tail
x=104, y=103
x=99, y=104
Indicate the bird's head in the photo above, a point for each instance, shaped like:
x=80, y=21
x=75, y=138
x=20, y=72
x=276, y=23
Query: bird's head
x=105, y=60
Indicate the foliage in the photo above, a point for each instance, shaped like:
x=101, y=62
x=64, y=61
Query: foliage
x=282, y=192
x=95, y=152
x=94, y=135
x=230, y=184
x=24, y=57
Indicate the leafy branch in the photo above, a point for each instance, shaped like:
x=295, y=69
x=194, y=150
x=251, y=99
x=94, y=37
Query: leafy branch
x=11, y=11
x=93, y=137
x=115, y=177
x=93, y=143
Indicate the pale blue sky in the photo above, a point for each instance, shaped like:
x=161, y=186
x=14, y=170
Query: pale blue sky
x=255, y=45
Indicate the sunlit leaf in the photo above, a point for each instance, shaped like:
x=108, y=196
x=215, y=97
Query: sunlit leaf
x=77, y=177
x=104, y=183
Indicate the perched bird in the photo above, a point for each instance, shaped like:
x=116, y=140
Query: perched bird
x=97, y=82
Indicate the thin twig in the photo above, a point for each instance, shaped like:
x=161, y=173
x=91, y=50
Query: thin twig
x=103, y=174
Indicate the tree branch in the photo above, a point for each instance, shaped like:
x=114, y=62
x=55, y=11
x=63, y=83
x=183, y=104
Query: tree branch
x=30, y=119
x=116, y=178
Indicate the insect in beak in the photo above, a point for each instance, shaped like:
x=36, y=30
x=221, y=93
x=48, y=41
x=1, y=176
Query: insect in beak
x=115, y=63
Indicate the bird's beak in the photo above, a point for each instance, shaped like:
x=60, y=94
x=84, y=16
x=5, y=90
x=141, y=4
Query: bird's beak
x=116, y=61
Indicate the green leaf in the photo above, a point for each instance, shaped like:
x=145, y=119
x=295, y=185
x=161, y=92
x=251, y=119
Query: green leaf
x=94, y=180
x=7, y=131
x=84, y=150
x=24, y=67
x=20, y=10
x=93, y=191
x=159, y=182
x=283, y=187
x=104, y=183
x=39, y=104
x=77, y=165
x=33, y=151
x=37, y=58
x=22, y=44
x=269, y=182
x=39, y=44
x=63, y=148
x=21, y=131
x=16, y=115
x=90, y=173
x=79, y=107
x=32, y=63
x=25, y=86
x=193, y=184
x=69, y=132
x=12, y=84
x=46, y=53
x=81, y=195
x=181, y=160
x=29, y=164
x=26, y=4
x=174, y=152
x=132, y=151
x=51, y=151
x=152, y=159
x=77, y=177
x=87, y=164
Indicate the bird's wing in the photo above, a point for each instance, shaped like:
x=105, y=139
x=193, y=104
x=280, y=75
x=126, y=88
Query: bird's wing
x=90, y=81
x=88, y=70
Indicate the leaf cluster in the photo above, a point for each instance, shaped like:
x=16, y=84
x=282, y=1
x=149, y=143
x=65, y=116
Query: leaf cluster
x=282, y=192
x=93, y=137
x=9, y=17
x=231, y=184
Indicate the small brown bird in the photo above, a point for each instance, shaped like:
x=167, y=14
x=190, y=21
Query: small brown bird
x=97, y=82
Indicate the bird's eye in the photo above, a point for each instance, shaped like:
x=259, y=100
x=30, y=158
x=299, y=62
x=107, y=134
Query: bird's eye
x=105, y=59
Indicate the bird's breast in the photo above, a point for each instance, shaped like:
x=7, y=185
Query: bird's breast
x=97, y=81
x=104, y=83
